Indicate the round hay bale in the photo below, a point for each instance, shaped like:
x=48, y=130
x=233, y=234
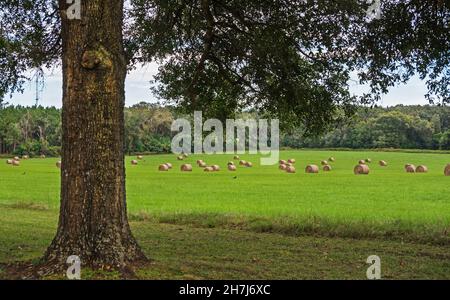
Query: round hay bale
x=283, y=167
x=249, y=164
x=361, y=169
x=447, y=170
x=327, y=168
x=230, y=163
x=186, y=168
x=9, y=162
x=332, y=159
x=163, y=168
x=291, y=170
x=383, y=163
x=25, y=157
x=180, y=157
x=362, y=162
x=208, y=169
x=242, y=163
x=312, y=169
x=283, y=162
x=169, y=165
x=16, y=163
x=422, y=169
x=368, y=160
x=16, y=158
x=236, y=157
x=185, y=155
x=216, y=168
x=232, y=168
x=202, y=164
x=410, y=168
x=199, y=161
x=42, y=156
x=134, y=162
x=291, y=161
x=140, y=157
x=324, y=162
x=59, y=164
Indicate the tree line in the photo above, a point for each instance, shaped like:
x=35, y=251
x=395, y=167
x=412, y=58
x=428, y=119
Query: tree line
x=37, y=130
x=400, y=127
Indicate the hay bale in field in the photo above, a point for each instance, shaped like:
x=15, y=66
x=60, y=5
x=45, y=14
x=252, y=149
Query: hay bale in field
x=242, y=163
x=283, y=162
x=362, y=162
x=209, y=169
x=368, y=160
x=42, y=156
x=447, y=170
x=332, y=159
x=232, y=168
x=327, y=168
x=291, y=170
x=236, y=157
x=169, y=165
x=16, y=163
x=59, y=164
x=216, y=168
x=9, y=162
x=186, y=168
x=199, y=161
x=180, y=157
x=230, y=163
x=140, y=157
x=324, y=162
x=16, y=158
x=202, y=164
x=383, y=163
x=312, y=169
x=291, y=161
x=283, y=167
x=134, y=162
x=361, y=169
x=163, y=168
x=410, y=168
x=249, y=164
x=25, y=157
x=422, y=169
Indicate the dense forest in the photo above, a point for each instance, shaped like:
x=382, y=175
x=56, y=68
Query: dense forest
x=37, y=130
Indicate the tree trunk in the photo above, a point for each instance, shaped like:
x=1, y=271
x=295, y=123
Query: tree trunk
x=93, y=220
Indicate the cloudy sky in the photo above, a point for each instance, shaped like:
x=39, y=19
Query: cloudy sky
x=138, y=89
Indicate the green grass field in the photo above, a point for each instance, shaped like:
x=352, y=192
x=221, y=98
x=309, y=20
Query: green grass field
x=387, y=206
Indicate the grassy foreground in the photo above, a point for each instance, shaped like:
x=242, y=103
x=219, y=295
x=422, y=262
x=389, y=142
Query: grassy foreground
x=388, y=203
x=186, y=252
x=257, y=223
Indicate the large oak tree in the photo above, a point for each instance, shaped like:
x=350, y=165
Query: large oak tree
x=288, y=58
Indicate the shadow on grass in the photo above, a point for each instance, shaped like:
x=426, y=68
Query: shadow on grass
x=397, y=230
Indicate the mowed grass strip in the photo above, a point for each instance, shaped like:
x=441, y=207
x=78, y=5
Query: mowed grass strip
x=186, y=252
x=387, y=202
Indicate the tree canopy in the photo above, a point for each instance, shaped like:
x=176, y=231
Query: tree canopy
x=290, y=58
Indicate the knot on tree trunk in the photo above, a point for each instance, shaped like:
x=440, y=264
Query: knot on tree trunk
x=90, y=60
x=93, y=59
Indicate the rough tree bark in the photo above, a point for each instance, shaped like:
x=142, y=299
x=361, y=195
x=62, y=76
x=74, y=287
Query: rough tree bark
x=93, y=220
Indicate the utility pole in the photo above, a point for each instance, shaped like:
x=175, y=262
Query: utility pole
x=39, y=82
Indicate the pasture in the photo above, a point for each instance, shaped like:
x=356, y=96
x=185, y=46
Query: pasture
x=386, y=206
